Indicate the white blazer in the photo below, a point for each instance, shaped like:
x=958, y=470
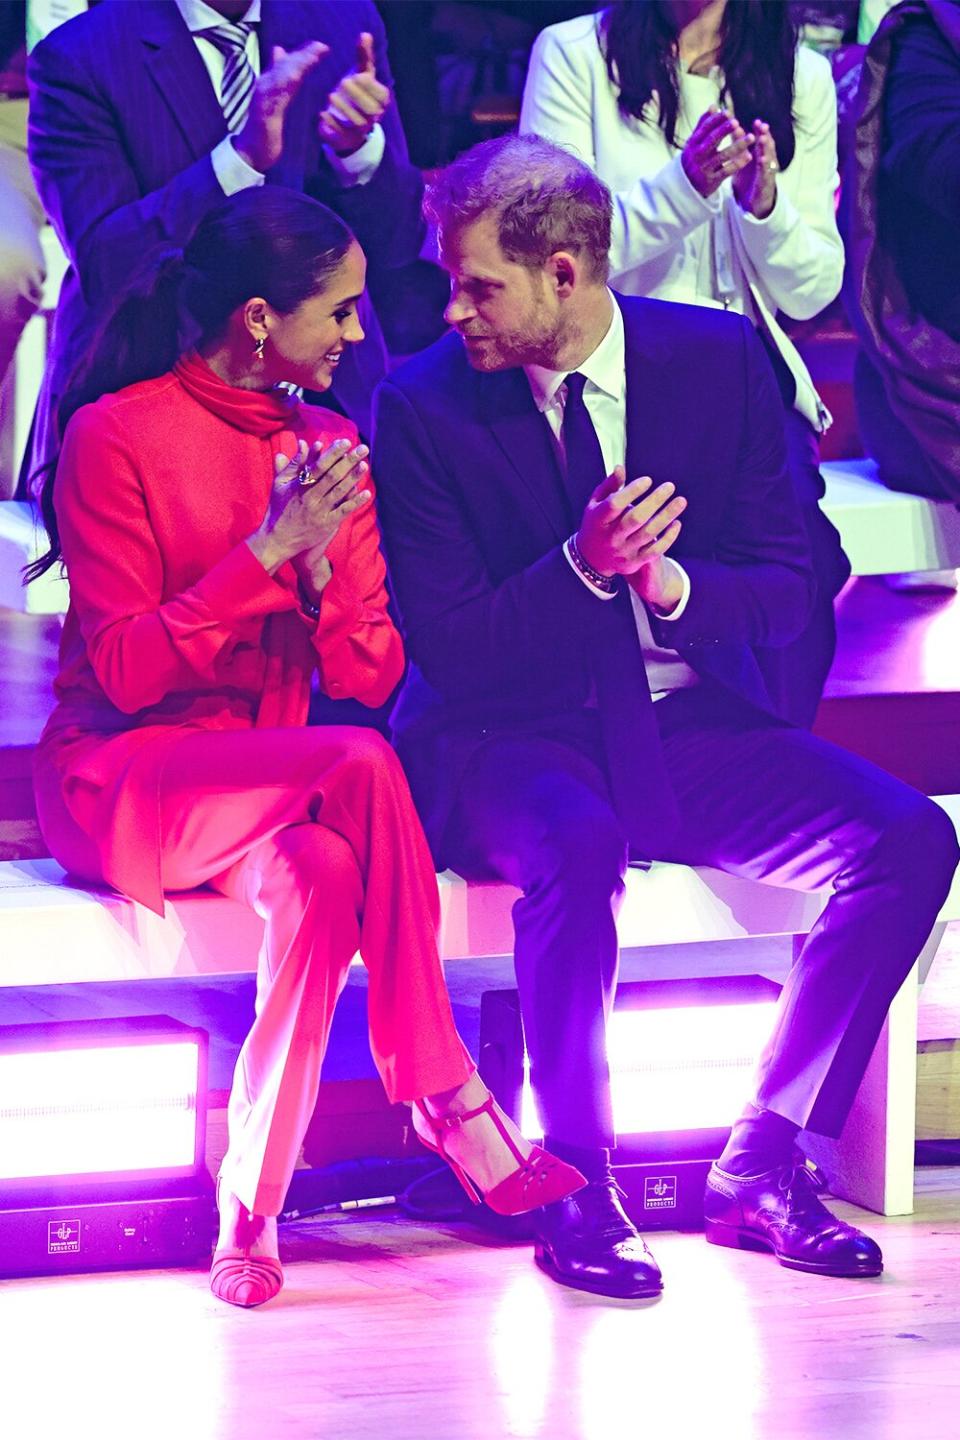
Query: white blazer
x=666, y=236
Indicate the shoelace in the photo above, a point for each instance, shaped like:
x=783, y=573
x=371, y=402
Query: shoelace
x=598, y=1202
x=802, y=1184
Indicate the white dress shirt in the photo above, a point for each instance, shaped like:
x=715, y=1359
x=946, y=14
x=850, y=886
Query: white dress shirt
x=231, y=171
x=605, y=396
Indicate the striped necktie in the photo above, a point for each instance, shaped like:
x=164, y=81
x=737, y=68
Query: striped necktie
x=238, y=77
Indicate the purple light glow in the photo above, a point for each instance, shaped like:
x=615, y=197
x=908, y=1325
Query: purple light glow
x=688, y=1068
x=98, y=1111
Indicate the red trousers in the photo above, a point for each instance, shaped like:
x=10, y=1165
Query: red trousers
x=316, y=830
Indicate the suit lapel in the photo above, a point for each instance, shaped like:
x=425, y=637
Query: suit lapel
x=176, y=69
x=523, y=435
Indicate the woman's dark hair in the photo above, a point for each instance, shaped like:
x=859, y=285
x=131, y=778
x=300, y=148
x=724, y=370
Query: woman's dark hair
x=271, y=242
x=758, y=43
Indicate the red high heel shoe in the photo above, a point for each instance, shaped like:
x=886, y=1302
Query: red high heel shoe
x=243, y=1279
x=539, y=1179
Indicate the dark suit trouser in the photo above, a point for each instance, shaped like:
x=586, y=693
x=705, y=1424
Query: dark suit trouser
x=757, y=799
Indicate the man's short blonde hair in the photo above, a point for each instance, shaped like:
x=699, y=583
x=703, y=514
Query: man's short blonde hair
x=544, y=200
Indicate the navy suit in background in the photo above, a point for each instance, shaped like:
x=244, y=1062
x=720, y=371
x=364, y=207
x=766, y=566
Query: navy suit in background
x=536, y=754
x=123, y=119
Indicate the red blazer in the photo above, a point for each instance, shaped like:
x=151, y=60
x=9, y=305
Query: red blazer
x=173, y=622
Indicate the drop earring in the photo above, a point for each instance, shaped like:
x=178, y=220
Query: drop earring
x=259, y=347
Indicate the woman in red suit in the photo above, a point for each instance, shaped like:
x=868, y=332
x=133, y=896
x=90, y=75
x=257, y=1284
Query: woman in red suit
x=221, y=545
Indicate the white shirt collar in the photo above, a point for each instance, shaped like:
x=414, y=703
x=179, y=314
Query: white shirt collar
x=198, y=16
x=605, y=368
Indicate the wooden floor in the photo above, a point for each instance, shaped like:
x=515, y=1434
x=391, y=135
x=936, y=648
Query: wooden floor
x=390, y=1331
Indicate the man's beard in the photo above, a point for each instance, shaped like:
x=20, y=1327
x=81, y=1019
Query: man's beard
x=532, y=345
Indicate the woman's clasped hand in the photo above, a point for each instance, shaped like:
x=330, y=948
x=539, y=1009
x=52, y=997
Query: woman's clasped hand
x=312, y=495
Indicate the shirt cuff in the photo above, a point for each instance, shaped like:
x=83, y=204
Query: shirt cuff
x=233, y=173
x=681, y=604
x=360, y=167
x=594, y=589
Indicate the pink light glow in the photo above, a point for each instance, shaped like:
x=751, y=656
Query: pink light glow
x=682, y=1069
x=93, y=1112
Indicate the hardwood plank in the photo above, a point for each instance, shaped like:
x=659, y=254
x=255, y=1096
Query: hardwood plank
x=386, y=1329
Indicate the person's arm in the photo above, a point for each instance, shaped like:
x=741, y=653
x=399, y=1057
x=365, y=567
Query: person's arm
x=658, y=210
x=922, y=118
x=758, y=586
x=86, y=181
x=359, y=650
x=143, y=647
x=796, y=250
x=471, y=638
x=383, y=209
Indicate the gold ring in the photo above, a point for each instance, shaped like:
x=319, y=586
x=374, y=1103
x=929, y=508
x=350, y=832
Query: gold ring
x=304, y=478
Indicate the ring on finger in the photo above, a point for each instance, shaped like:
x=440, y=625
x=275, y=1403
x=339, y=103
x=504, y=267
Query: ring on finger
x=306, y=477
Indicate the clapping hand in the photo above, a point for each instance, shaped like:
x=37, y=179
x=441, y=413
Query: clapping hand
x=260, y=140
x=628, y=528
x=358, y=103
x=755, y=186
x=717, y=148
x=311, y=497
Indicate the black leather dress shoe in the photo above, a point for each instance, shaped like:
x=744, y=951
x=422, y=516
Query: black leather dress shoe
x=781, y=1211
x=587, y=1242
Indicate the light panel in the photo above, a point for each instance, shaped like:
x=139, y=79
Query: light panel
x=677, y=1069
x=100, y=1100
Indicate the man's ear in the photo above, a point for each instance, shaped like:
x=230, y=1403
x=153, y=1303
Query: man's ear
x=564, y=272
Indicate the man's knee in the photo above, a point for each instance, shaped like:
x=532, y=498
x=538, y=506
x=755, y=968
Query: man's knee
x=582, y=847
x=917, y=839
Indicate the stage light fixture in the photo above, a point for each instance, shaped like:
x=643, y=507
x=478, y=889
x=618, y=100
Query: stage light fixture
x=102, y=1140
x=681, y=1056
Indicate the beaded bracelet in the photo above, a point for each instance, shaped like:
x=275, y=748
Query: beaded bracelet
x=609, y=584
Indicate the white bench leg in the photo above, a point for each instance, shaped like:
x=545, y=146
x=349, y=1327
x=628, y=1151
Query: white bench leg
x=872, y=1162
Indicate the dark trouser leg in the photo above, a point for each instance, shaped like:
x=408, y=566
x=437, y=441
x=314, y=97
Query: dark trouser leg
x=534, y=813
x=778, y=804
x=795, y=674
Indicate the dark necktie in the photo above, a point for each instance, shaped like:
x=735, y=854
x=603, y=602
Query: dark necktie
x=584, y=467
x=238, y=76
x=639, y=788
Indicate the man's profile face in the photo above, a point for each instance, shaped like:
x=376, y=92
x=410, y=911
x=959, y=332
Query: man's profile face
x=507, y=314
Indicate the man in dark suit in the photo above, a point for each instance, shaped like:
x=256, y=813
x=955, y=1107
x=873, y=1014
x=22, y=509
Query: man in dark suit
x=142, y=117
x=589, y=528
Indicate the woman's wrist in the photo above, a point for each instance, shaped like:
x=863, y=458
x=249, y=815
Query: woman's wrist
x=266, y=551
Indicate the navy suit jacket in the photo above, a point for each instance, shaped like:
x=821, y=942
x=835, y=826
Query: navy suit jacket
x=502, y=636
x=123, y=118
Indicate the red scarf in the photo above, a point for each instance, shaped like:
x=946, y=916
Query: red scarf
x=258, y=412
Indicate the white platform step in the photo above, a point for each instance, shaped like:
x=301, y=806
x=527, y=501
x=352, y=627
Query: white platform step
x=22, y=540
x=883, y=531
x=55, y=932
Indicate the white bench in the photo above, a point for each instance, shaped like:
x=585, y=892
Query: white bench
x=59, y=933
x=883, y=531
